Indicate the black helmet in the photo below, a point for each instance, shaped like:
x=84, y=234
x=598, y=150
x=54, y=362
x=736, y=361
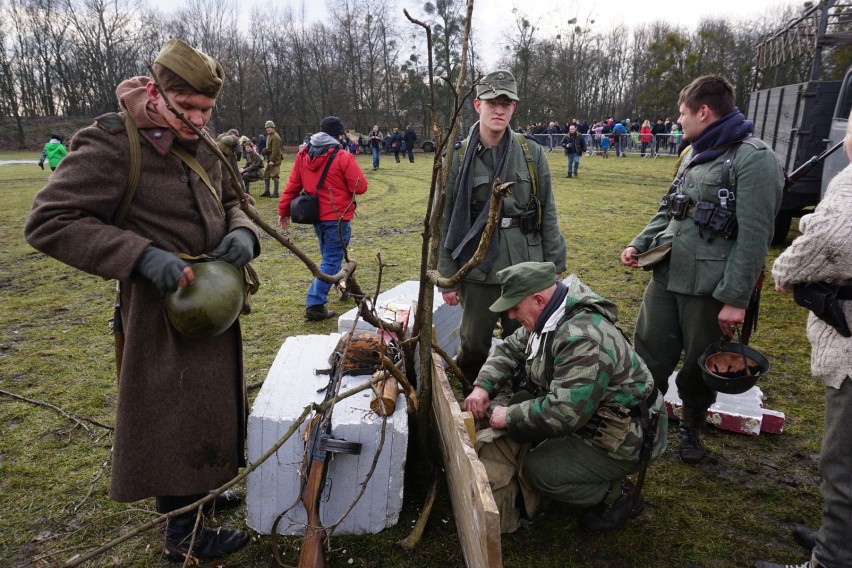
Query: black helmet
x=732, y=367
x=211, y=304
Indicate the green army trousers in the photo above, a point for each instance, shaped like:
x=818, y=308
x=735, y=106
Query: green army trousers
x=477, y=326
x=565, y=469
x=671, y=324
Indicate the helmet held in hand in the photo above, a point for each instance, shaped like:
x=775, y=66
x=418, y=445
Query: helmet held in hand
x=211, y=304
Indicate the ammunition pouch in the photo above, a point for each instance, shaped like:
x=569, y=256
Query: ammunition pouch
x=529, y=219
x=720, y=222
x=609, y=426
x=678, y=205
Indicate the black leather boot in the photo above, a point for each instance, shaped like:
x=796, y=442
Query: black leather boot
x=691, y=448
x=318, y=313
x=208, y=543
x=805, y=537
x=691, y=427
x=609, y=516
x=266, y=190
x=275, y=185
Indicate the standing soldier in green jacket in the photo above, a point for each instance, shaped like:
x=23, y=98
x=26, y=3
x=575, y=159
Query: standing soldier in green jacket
x=587, y=407
x=710, y=238
x=273, y=153
x=529, y=228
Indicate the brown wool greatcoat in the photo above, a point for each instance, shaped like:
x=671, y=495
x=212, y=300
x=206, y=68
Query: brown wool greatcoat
x=180, y=421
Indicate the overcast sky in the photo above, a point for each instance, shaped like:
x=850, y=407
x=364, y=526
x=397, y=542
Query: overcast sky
x=493, y=18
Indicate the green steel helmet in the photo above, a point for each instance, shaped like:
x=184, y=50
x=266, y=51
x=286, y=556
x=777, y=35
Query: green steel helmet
x=211, y=304
x=732, y=367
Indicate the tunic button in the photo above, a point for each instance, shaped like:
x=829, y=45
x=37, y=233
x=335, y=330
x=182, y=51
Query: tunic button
x=158, y=134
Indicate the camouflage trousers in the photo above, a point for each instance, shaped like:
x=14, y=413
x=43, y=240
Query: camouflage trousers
x=564, y=469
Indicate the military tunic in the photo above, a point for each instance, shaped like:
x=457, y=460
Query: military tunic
x=479, y=289
x=274, y=153
x=703, y=273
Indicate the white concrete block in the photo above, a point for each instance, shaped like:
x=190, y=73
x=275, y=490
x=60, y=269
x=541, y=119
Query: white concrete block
x=445, y=318
x=743, y=413
x=274, y=487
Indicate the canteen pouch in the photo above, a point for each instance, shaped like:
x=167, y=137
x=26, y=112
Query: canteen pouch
x=821, y=299
x=304, y=208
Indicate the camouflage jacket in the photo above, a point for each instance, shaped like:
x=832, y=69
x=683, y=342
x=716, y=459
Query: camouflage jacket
x=596, y=379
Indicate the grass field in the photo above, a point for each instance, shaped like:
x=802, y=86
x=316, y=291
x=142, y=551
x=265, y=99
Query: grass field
x=54, y=348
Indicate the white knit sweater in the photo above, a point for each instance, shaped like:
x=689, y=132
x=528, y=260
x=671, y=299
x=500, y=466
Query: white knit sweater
x=823, y=253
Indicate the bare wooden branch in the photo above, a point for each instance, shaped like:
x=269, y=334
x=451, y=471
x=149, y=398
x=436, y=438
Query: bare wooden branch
x=313, y=407
x=410, y=393
x=343, y=278
x=416, y=533
x=499, y=191
x=78, y=420
x=466, y=385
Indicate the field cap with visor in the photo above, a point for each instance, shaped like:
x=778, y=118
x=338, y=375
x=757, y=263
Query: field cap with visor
x=520, y=280
x=495, y=84
x=202, y=72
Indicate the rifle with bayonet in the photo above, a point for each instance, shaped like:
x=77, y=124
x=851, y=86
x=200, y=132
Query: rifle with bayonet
x=321, y=447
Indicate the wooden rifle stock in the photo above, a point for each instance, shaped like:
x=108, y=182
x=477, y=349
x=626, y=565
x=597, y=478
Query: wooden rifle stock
x=320, y=448
x=312, y=553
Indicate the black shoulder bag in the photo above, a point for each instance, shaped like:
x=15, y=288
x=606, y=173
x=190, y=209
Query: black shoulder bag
x=304, y=208
x=824, y=300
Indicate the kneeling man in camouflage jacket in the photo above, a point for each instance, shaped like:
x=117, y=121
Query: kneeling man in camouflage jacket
x=574, y=429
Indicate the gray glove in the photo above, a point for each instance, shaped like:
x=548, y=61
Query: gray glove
x=236, y=248
x=162, y=268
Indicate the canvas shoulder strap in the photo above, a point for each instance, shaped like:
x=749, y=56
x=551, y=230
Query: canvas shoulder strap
x=190, y=161
x=522, y=140
x=135, y=168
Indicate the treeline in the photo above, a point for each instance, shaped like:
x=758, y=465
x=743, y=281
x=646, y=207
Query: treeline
x=365, y=62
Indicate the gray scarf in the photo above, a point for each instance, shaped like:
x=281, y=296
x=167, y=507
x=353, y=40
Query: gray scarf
x=463, y=235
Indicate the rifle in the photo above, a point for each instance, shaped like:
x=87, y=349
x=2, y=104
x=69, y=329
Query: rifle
x=802, y=170
x=750, y=321
x=321, y=446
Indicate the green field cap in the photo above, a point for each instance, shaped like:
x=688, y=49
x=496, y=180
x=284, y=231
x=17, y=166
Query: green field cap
x=519, y=281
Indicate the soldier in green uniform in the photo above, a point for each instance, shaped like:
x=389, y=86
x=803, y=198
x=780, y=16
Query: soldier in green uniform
x=253, y=170
x=529, y=228
x=709, y=239
x=575, y=429
x=273, y=153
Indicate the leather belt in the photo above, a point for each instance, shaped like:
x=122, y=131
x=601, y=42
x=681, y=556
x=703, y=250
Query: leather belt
x=509, y=222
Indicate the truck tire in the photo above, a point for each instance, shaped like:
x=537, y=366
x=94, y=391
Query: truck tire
x=428, y=146
x=782, y=227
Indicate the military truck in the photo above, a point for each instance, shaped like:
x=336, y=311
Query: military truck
x=807, y=118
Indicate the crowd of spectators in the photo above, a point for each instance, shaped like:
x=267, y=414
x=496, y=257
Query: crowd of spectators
x=663, y=136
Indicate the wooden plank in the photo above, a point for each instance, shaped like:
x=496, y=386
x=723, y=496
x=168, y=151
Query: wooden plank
x=476, y=515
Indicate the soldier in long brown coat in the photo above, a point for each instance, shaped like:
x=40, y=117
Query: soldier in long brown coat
x=274, y=152
x=180, y=421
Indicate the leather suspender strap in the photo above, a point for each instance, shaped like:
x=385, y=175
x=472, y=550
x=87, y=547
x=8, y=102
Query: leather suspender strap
x=190, y=161
x=135, y=168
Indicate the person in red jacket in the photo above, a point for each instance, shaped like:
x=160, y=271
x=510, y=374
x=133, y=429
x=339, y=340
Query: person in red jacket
x=343, y=181
x=645, y=137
